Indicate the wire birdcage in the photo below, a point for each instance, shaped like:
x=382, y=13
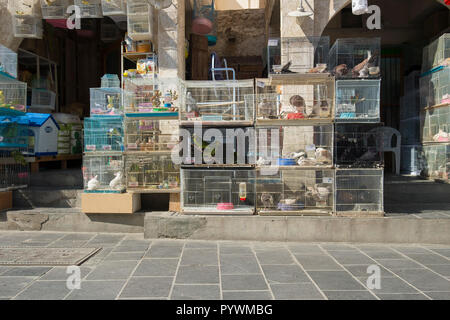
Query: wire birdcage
x=103, y=173
x=103, y=134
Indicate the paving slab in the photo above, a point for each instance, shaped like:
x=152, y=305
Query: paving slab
x=205, y=257
x=349, y=295
x=279, y=274
x=124, y=256
x=399, y=264
x=424, y=280
x=316, y=262
x=197, y=275
x=351, y=258
x=402, y=296
x=152, y=287
x=164, y=251
x=243, y=282
x=44, y=290
x=443, y=270
x=60, y=273
x=196, y=292
x=97, y=290
x=297, y=291
x=157, y=268
x=239, y=264
x=438, y=295
x=227, y=249
x=361, y=271
x=429, y=259
x=113, y=270
x=391, y=285
x=335, y=280
x=247, y=295
x=26, y=271
x=308, y=249
x=10, y=287
x=267, y=257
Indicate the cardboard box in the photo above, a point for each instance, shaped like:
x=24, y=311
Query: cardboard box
x=6, y=200
x=110, y=203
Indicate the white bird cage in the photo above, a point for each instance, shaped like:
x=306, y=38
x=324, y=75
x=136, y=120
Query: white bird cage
x=26, y=26
x=218, y=101
x=114, y=7
x=358, y=101
x=436, y=52
x=151, y=173
x=436, y=125
x=295, y=99
x=55, y=9
x=437, y=161
x=295, y=146
x=435, y=88
x=90, y=8
x=146, y=135
x=110, y=81
x=43, y=99
x=295, y=192
x=14, y=170
x=140, y=20
x=152, y=97
x=106, y=101
x=298, y=55
x=219, y=147
x=99, y=172
x=13, y=93
x=359, y=192
x=8, y=61
x=358, y=146
x=218, y=191
x=356, y=58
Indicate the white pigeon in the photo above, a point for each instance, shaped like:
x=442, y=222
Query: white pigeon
x=116, y=183
x=93, y=184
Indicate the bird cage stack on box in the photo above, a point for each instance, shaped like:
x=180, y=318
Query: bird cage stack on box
x=435, y=109
x=298, y=55
x=26, y=19
x=222, y=191
x=151, y=133
x=295, y=99
x=114, y=7
x=110, y=81
x=436, y=53
x=218, y=102
x=8, y=61
x=55, y=9
x=14, y=140
x=103, y=134
x=140, y=20
x=290, y=191
x=13, y=94
x=90, y=8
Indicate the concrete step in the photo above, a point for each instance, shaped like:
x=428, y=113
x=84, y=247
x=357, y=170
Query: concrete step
x=68, y=178
x=406, y=190
x=299, y=229
x=47, y=197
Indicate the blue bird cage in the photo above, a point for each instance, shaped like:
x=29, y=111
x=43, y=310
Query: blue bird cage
x=14, y=133
x=103, y=134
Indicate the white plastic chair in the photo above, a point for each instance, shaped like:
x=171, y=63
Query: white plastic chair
x=390, y=144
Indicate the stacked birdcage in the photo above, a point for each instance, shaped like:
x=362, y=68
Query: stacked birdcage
x=114, y=7
x=26, y=19
x=8, y=61
x=435, y=109
x=55, y=9
x=358, y=141
x=218, y=147
x=89, y=8
x=140, y=20
x=151, y=134
x=103, y=161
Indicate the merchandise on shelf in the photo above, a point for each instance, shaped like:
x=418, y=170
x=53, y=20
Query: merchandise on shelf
x=356, y=58
x=298, y=55
x=295, y=191
x=358, y=146
x=55, y=9
x=435, y=88
x=13, y=94
x=90, y=8
x=218, y=191
x=436, y=53
x=103, y=173
x=150, y=135
x=358, y=101
x=302, y=97
x=437, y=161
x=359, y=191
x=110, y=81
x=43, y=132
x=114, y=7
x=436, y=124
x=43, y=99
x=410, y=130
x=301, y=145
x=218, y=146
x=412, y=160
x=8, y=61
x=106, y=102
x=151, y=97
x=103, y=134
x=217, y=101
x=140, y=20
x=149, y=173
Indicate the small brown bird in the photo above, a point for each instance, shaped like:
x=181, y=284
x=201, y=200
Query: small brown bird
x=340, y=70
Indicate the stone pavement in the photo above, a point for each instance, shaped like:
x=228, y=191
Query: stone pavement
x=129, y=267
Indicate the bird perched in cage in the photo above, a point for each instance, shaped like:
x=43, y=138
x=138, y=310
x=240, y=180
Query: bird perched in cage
x=267, y=200
x=93, y=184
x=340, y=70
x=320, y=68
x=286, y=67
x=362, y=69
